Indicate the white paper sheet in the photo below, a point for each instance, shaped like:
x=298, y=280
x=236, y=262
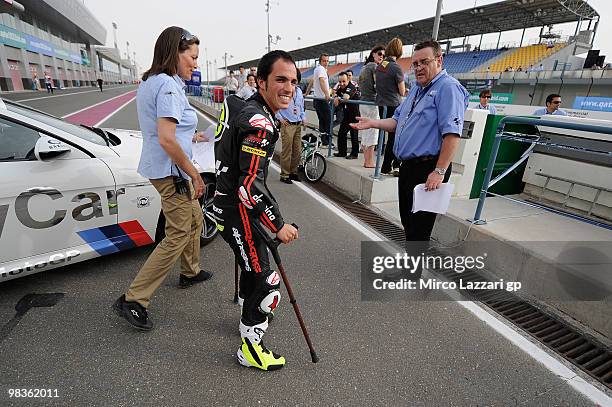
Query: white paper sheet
x=436, y=201
x=203, y=153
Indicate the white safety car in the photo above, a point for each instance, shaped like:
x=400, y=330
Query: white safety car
x=70, y=193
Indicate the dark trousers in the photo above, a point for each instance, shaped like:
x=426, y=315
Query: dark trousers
x=324, y=115
x=389, y=161
x=417, y=226
x=342, y=132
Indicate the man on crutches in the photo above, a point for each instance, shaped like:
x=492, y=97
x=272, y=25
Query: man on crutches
x=243, y=153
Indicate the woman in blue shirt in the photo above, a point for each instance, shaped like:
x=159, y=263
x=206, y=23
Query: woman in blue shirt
x=168, y=123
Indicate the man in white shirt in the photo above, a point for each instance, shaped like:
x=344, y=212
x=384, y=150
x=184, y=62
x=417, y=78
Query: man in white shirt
x=553, y=103
x=249, y=88
x=320, y=84
x=231, y=83
x=241, y=77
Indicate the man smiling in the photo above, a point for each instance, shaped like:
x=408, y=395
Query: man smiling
x=243, y=154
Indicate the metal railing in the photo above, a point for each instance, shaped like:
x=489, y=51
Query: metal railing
x=214, y=95
x=381, y=133
x=533, y=140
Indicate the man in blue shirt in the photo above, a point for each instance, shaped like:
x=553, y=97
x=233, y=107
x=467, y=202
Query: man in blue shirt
x=291, y=120
x=427, y=126
x=485, y=98
x=553, y=103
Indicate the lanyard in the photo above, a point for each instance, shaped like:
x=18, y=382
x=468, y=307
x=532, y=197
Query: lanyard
x=417, y=98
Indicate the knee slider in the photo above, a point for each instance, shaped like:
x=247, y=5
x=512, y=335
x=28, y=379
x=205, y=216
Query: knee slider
x=272, y=296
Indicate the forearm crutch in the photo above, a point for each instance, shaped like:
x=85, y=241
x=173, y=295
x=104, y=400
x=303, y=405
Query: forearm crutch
x=273, y=246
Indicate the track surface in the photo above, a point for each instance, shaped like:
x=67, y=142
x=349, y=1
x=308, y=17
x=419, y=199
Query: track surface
x=400, y=353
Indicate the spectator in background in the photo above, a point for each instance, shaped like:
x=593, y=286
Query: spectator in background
x=320, y=84
x=350, y=77
x=100, y=83
x=48, y=83
x=390, y=87
x=367, y=85
x=35, y=81
x=249, y=88
x=485, y=98
x=253, y=71
x=241, y=77
x=291, y=120
x=231, y=83
x=553, y=103
x=347, y=91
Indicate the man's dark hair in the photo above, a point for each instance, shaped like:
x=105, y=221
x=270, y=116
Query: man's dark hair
x=550, y=98
x=171, y=42
x=322, y=55
x=485, y=92
x=241, y=67
x=231, y=72
x=264, y=67
x=299, y=76
x=349, y=70
x=374, y=50
x=343, y=73
x=433, y=44
x=250, y=75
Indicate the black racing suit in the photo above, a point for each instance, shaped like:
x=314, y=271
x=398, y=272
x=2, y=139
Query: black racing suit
x=242, y=196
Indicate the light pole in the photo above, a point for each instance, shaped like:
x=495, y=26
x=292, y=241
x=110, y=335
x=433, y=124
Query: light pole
x=349, y=22
x=115, y=34
x=127, y=46
x=268, y=17
x=437, y=20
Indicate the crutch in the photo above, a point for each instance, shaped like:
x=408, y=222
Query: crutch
x=273, y=246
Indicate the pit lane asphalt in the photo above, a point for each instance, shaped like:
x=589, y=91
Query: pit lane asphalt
x=400, y=353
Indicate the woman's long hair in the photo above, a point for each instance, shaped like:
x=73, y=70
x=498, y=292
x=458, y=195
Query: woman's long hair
x=171, y=42
x=374, y=50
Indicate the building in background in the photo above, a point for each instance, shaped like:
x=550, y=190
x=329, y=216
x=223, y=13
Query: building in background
x=60, y=37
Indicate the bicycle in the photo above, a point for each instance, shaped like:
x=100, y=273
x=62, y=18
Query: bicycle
x=311, y=160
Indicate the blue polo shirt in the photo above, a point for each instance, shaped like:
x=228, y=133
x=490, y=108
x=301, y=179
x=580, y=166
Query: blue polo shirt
x=489, y=107
x=295, y=111
x=427, y=114
x=543, y=111
x=163, y=96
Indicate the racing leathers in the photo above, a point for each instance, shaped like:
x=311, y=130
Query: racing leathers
x=242, y=157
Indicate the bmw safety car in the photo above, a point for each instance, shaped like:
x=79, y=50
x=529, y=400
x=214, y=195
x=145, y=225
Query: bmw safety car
x=70, y=193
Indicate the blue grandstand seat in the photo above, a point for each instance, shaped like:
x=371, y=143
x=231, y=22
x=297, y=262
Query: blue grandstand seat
x=357, y=69
x=308, y=73
x=466, y=61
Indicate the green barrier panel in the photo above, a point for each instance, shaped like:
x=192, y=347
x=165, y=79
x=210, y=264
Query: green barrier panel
x=509, y=153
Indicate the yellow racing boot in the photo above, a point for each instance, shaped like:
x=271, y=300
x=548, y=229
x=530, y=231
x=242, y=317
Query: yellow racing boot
x=257, y=355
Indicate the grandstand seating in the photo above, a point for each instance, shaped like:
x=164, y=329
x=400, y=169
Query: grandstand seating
x=307, y=73
x=524, y=57
x=460, y=62
x=356, y=69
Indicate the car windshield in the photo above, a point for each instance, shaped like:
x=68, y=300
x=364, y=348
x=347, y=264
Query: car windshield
x=53, y=121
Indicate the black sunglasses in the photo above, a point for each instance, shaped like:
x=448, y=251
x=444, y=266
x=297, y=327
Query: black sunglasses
x=486, y=97
x=187, y=36
x=380, y=54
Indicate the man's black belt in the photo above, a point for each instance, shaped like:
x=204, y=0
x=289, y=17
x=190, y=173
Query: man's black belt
x=420, y=159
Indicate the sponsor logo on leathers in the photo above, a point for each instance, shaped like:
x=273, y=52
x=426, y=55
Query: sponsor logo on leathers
x=243, y=254
x=261, y=122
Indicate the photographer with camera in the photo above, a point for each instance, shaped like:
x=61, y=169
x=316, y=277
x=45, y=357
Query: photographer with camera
x=168, y=123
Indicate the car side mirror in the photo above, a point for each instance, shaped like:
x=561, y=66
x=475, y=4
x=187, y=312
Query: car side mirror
x=47, y=148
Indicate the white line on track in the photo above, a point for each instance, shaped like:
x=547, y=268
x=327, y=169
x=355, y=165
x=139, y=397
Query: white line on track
x=96, y=104
x=550, y=361
x=64, y=94
x=111, y=114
